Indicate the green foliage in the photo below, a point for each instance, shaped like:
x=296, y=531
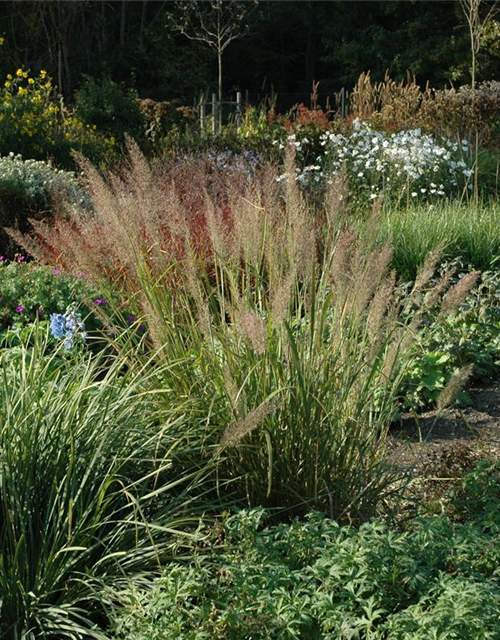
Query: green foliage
x=470, y=335
x=312, y=579
x=477, y=497
x=110, y=108
x=89, y=496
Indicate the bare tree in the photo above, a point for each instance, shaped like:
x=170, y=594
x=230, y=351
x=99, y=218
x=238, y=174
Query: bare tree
x=216, y=23
x=477, y=24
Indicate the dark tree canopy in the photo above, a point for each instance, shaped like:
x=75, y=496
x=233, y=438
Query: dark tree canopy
x=286, y=47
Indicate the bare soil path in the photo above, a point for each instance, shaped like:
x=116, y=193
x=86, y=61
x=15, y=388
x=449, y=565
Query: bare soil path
x=437, y=448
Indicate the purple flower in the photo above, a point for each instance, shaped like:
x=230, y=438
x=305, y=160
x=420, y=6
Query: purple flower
x=20, y=258
x=100, y=301
x=2, y=258
x=57, y=272
x=130, y=319
x=19, y=308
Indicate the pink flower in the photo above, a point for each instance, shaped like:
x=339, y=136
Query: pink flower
x=19, y=308
x=20, y=258
x=57, y=272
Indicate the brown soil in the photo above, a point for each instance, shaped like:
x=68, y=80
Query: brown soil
x=437, y=448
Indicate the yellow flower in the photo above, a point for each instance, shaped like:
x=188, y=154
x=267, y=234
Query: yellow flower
x=43, y=73
x=22, y=91
x=19, y=73
x=2, y=41
x=7, y=84
x=9, y=77
x=31, y=81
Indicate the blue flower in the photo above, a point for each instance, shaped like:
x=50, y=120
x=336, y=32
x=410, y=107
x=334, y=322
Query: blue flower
x=67, y=326
x=57, y=325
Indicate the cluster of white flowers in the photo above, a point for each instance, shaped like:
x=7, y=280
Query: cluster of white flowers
x=407, y=163
x=36, y=179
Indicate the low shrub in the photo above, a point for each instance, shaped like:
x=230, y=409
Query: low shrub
x=28, y=292
x=35, y=124
x=450, y=112
x=110, y=108
x=402, y=166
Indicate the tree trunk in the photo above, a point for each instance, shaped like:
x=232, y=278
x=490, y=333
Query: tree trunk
x=143, y=22
x=123, y=22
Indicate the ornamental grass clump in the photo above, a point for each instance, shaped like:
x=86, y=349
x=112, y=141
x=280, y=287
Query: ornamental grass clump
x=287, y=324
x=90, y=495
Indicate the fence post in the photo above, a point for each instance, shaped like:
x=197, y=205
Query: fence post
x=215, y=111
x=239, y=111
x=202, y=113
x=342, y=102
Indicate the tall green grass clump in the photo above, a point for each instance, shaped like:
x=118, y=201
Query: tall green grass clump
x=89, y=492
x=465, y=230
x=288, y=324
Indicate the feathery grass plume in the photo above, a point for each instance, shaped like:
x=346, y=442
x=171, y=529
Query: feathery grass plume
x=252, y=326
x=457, y=294
x=427, y=270
x=281, y=295
x=370, y=275
x=311, y=315
x=238, y=430
x=454, y=386
x=435, y=295
x=218, y=233
x=251, y=224
x=342, y=250
x=378, y=308
x=371, y=231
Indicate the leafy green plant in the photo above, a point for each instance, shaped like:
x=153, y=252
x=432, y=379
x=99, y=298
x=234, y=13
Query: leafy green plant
x=312, y=579
x=467, y=337
x=29, y=291
x=89, y=491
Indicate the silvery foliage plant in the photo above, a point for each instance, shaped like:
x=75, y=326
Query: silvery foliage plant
x=407, y=164
x=36, y=179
